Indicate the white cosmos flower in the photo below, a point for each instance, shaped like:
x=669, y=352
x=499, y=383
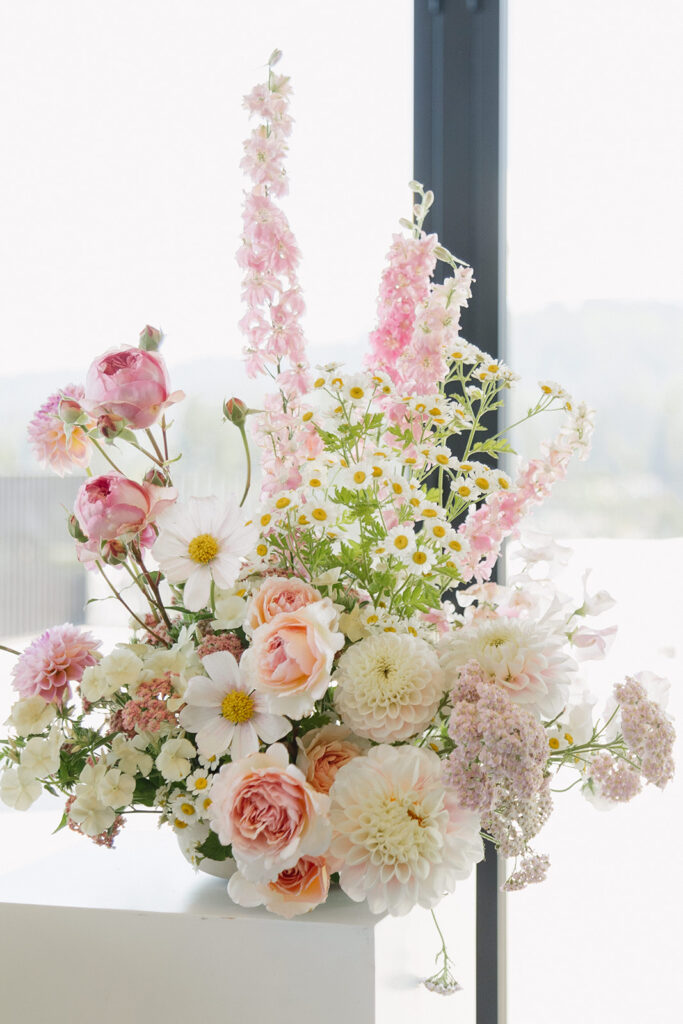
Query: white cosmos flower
x=399, y=834
x=203, y=541
x=226, y=713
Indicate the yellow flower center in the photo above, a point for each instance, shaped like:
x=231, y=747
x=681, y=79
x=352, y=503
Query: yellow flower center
x=200, y=783
x=438, y=530
x=237, y=707
x=419, y=557
x=553, y=743
x=203, y=549
x=319, y=514
x=569, y=738
x=282, y=502
x=187, y=808
x=356, y=392
x=359, y=477
x=307, y=416
x=262, y=550
x=180, y=824
x=319, y=382
x=400, y=542
x=482, y=483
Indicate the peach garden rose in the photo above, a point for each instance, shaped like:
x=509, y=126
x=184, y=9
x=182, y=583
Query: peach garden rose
x=278, y=594
x=293, y=892
x=291, y=657
x=263, y=807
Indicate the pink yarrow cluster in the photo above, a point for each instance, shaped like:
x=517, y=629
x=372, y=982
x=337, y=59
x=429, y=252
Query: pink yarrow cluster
x=270, y=258
x=648, y=732
x=148, y=711
x=487, y=526
x=498, y=743
x=51, y=663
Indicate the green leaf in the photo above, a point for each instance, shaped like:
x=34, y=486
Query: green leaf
x=144, y=792
x=213, y=848
x=62, y=824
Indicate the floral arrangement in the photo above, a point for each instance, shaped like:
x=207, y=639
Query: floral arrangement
x=326, y=685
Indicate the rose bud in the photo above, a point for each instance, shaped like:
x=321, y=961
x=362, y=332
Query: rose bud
x=110, y=426
x=71, y=411
x=236, y=411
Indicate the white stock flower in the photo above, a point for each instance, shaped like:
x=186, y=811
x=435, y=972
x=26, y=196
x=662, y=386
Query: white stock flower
x=231, y=610
x=19, y=788
x=31, y=716
x=173, y=760
x=202, y=542
x=90, y=814
x=388, y=686
x=116, y=788
x=40, y=756
x=117, y=670
x=130, y=755
x=401, y=838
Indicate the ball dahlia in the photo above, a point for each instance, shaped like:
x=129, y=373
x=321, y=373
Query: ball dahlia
x=388, y=686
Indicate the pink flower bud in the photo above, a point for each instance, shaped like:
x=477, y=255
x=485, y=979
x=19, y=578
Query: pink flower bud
x=112, y=507
x=110, y=426
x=236, y=411
x=150, y=338
x=131, y=384
x=70, y=411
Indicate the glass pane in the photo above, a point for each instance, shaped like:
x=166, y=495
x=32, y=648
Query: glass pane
x=594, y=227
x=120, y=199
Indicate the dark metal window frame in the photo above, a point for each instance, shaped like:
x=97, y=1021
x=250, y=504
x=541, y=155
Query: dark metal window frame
x=459, y=154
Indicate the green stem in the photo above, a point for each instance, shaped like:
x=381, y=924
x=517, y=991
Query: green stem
x=129, y=609
x=248, y=454
x=104, y=454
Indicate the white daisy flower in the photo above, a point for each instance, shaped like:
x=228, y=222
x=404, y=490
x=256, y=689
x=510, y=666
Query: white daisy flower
x=225, y=713
x=400, y=540
x=198, y=783
x=183, y=809
x=201, y=542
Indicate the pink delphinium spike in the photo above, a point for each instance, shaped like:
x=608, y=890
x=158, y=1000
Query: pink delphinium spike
x=270, y=258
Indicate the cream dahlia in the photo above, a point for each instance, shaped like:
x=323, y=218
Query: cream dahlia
x=202, y=542
x=225, y=713
x=388, y=686
x=525, y=658
x=400, y=838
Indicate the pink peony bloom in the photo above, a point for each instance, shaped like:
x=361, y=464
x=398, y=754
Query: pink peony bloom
x=291, y=657
x=263, y=807
x=293, y=892
x=131, y=384
x=278, y=594
x=59, y=445
x=53, y=661
x=112, y=506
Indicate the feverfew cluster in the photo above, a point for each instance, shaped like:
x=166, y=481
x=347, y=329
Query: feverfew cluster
x=325, y=689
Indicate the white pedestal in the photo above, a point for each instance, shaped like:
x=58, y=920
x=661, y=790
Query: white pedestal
x=133, y=935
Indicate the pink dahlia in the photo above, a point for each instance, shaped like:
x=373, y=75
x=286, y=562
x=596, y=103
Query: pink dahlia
x=53, y=661
x=58, y=445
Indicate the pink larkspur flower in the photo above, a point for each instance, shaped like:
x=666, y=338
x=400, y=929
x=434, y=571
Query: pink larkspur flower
x=51, y=663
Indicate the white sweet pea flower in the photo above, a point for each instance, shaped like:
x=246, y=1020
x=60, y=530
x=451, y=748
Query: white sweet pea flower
x=19, y=788
x=31, y=716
